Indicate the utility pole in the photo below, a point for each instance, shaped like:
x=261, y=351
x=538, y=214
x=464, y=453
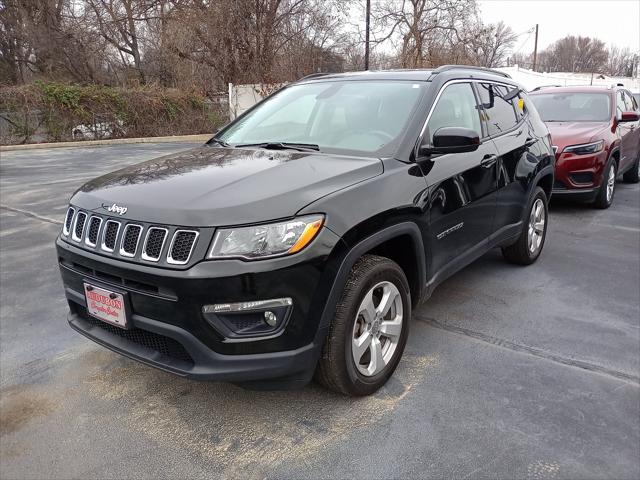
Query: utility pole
x=366, y=41
x=535, y=50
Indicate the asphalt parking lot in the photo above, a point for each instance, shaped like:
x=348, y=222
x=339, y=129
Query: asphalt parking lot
x=509, y=372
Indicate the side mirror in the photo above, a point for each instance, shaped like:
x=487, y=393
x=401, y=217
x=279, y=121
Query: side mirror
x=629, y=117
x=452, y=140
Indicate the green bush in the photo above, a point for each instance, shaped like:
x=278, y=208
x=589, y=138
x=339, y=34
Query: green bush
x=53, y=111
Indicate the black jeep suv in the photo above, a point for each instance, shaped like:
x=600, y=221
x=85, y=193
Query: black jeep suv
x=300, y=237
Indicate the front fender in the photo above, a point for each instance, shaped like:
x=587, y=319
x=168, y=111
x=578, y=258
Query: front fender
x=363, y=246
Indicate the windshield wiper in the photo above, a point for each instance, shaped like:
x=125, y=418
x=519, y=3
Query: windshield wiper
x=222, y=143
x=301, y=147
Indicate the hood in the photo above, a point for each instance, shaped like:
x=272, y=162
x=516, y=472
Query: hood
x=564, y=134
x=211, y=186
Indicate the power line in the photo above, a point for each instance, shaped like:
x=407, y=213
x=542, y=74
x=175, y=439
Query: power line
x=525, y=40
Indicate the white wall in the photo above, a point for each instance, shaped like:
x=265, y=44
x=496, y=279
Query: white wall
x=243, y=97
x=530, y=79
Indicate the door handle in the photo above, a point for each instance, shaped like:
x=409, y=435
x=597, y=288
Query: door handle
x=488, y=161
x=530, y=141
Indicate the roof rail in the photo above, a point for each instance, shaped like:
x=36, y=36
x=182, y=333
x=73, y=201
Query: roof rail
x=446, y=68
x=314, y=75
x=544, y=86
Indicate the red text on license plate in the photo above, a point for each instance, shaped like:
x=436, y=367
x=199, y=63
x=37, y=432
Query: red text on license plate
x=105, y=305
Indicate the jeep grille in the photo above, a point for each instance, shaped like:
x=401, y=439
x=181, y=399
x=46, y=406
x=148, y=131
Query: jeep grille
x=131, y=241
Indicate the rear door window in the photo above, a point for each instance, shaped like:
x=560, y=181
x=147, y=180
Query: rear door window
x=499, y=113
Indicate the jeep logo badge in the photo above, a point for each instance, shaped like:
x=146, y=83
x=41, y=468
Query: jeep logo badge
x=115, y=209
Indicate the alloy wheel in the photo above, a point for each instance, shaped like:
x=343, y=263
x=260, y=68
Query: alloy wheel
x=537, y=220
x=611, y=182
x=377, y=329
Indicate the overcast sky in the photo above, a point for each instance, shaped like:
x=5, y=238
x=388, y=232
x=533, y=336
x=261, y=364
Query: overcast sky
x=615, y=22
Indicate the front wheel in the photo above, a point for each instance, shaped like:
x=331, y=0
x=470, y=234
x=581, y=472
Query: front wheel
x=608, y=187
x=529, y=245
x=369, y=331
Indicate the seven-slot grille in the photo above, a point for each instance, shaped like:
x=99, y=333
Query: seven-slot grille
x=129, y=239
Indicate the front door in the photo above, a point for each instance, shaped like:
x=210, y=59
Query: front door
x=462, y=186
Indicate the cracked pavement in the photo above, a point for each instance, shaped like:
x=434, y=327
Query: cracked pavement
x=509, y=372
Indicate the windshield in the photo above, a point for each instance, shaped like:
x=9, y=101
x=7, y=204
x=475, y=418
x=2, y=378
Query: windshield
x=363, y=116
x=573, y=107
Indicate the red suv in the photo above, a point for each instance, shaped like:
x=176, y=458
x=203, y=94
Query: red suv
x=595, y=133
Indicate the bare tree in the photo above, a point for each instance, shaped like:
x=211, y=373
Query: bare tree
x=122, y=24
x=30, y=38
x=491, y=44
x=204, y=44
x=256, y=40
x=620, y=62
x=574, y=54
x=14, y=47
x=422, y=26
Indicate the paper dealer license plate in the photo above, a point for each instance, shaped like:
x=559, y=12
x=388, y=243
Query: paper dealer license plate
x=106, y=305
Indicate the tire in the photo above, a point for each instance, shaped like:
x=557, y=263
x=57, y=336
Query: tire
x=633, y=175
x=607, y=190
x=528, y=247
x=337, y=368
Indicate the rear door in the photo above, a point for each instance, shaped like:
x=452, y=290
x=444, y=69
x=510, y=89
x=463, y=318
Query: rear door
x=461, y=185
x=508, y=129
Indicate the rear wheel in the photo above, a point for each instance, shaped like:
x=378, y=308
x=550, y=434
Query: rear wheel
x=608, y=186
x=369, y=332
x=529, y=245
x=633, y=175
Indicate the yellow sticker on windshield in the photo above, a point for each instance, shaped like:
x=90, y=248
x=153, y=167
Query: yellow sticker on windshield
x=521, y=104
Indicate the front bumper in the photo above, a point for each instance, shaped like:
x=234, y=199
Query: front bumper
x=578, y=176
x=170, y=331
x=177, y=351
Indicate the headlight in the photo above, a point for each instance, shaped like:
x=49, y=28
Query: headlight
x=586, y=149
x=259, y=241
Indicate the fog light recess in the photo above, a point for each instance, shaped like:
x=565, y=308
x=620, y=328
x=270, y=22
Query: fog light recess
x=242, y=320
